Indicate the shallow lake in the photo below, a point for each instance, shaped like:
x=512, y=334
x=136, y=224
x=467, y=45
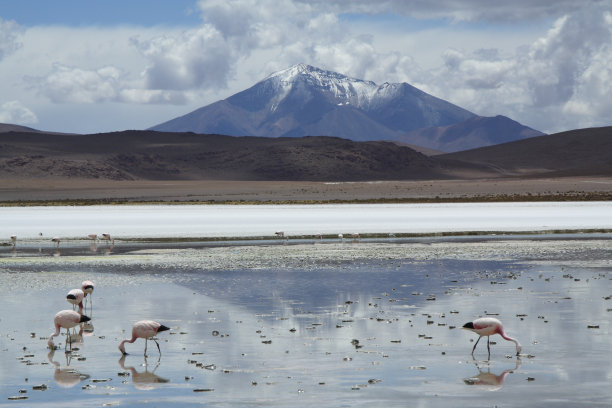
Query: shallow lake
x=328, y=324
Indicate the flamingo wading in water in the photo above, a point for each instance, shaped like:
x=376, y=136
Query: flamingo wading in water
x=87, y=287
x=75, y=297
x=66, y=319
x=144, y=329
x=488, y=326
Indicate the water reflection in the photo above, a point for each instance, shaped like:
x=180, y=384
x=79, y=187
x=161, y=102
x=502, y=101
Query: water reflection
x=87, y=329
x=488, y=380
x=144, y=380
x=66, y=377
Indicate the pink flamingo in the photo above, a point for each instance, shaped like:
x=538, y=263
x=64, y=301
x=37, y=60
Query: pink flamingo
x=488, y=326
x=66, y=319
x=75, y=297
x=144, y=329
x=87, y=287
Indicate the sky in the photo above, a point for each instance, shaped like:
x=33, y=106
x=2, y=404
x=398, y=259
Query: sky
x=106, y=65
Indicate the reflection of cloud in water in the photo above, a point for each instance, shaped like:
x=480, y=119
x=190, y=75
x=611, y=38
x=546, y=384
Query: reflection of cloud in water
x=143, y=380
x=489, y=381
x=316, y=289
x=66, y=377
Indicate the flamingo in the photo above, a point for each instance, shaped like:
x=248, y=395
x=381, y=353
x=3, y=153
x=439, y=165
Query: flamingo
x=14, y=240
x=56, y=240
x=488, y=326
x=66, y=319
x=87, y=287
x=93, y=237
x=75, y=296
x=108, y=238
x=144, y=329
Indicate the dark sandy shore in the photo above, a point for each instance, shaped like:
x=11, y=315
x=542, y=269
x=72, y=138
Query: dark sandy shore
x=567, y=188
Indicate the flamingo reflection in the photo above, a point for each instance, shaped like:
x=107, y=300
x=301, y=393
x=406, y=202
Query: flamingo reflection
x=489, y=381
x=143, y=380
x=66, y=377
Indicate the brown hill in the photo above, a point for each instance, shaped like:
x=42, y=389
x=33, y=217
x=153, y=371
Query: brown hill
x=582, y=152
x=149, y=155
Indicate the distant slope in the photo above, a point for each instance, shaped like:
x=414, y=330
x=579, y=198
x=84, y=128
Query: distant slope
x=180, y=156
x=7, y=127
x=474, y=132
x=576, y=152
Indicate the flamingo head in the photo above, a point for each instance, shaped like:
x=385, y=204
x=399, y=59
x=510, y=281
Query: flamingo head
x=122, y=349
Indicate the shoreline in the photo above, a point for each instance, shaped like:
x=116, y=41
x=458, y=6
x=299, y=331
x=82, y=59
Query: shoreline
x=577, y=234
x=29, y=192
x=607, y=196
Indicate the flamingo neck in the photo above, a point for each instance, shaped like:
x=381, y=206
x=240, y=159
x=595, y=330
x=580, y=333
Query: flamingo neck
x=57, y=332
x=515, y=341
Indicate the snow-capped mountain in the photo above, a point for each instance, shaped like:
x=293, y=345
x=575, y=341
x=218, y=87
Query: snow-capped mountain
x=307, y=101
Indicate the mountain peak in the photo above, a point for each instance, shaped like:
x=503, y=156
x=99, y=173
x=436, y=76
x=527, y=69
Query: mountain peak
x=304, y=100
x=341, y=89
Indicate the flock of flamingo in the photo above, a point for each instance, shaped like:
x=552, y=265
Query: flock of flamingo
x=67, y=319
x=57, y=240
x=147, y=329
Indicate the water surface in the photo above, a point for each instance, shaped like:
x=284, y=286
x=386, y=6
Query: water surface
x=353, y=324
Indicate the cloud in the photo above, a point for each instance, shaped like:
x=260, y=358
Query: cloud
x=16, y=113
x=198, y=58
x=558, y=80
x=549, y=80
x=459, y=10
x=10, y=33
x=71, y=84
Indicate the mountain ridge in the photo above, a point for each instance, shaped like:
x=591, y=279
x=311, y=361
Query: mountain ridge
x=307, y=101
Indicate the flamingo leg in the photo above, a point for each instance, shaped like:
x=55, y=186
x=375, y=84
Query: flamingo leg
x=474, y=348
x=145, y=353
x=68, y=340
x=488, y=346
x=158, y=349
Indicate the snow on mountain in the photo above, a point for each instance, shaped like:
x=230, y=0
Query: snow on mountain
x=307, y=101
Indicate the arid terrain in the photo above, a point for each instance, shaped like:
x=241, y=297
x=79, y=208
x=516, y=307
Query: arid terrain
x=154, y=166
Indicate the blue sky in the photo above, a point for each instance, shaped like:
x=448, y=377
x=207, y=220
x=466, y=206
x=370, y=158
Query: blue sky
x=77, y=13
x=94, y=66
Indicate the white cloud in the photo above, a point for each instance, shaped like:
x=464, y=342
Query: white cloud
x=553, y=84
x=72, y=84
x=10, y=33
x=16, y=113
x=460, y=10
x=550, y=80
x=198, y=58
